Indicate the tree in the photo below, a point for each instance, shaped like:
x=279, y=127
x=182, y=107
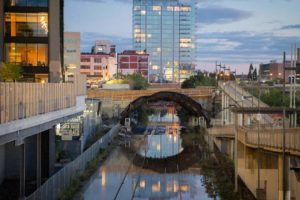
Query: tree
x=250, y=73
x=254, y=75
x=137, y=81
x=10, y=72
x=198, y=80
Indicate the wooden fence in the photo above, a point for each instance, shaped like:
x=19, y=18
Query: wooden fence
x=23, y=100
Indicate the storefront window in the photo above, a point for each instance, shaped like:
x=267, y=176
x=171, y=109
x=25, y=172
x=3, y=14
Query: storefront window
x=27, y=3
x=26, y=24
x=27, y=54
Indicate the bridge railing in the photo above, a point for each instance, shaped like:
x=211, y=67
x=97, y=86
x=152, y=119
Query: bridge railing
x=51, y=189
x=272, y=138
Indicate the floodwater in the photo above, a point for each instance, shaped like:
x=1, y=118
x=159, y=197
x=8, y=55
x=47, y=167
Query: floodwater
x=121, y=178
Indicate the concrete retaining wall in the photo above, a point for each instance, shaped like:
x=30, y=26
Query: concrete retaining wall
x=116, y=86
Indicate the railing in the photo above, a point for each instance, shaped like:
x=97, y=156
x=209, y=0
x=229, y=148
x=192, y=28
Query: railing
x=272, y=138
x=51, y=189
x=23, y=100
x=134, y=94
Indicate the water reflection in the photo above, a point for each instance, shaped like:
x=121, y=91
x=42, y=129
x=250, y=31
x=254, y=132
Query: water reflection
x=143, y=184
x=122, y=176
x=162, y=135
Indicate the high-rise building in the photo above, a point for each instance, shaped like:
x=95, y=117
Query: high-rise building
x=32, y=37
x=130, y=62
x=165, y=29
x=104, y=46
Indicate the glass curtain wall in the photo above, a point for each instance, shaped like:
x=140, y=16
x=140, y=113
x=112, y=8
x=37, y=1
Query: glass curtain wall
x=165, y=30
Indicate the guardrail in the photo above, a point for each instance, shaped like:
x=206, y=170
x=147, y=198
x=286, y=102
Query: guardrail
x=23, y=100
x=272, y=138
x=51, y=189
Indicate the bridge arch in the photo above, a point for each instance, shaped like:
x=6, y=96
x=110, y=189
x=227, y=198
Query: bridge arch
x=183, y=100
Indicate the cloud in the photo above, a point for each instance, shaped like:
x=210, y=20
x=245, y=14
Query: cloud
x=221, y=15
x=292, y=26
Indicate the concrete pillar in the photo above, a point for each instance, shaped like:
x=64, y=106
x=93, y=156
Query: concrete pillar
x=38, y=160
x=235, y=153
x=51, y=151
x=55, y=72
x=1, y=31
x=284, y=192
x=22, y=172
x=2, y=163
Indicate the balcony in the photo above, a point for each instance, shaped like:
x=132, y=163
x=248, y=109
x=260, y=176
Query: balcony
x=26, y=106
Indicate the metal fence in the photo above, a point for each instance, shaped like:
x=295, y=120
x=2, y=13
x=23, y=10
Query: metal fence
x=51, y=189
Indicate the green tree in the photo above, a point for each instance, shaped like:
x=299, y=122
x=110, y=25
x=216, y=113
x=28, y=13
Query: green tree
x=254, y=75
x=198, y=80
x=250, y=73
x=10, y=72
x=137, y=81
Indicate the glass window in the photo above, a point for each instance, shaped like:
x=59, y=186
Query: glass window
x=26, y=24
x=27, y=3
x=27, y=54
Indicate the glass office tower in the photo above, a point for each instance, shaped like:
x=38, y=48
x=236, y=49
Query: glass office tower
x=165, y=29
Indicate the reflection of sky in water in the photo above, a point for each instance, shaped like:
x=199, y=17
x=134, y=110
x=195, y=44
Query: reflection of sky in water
x=165, y=140
x=161, y=146
x=150, y=185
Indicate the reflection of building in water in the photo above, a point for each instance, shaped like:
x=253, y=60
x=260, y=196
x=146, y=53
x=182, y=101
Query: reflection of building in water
x=165, y=186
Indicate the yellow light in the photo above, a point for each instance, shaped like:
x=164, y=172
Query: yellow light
x=158, y=147
x=103, y=177
x=156, y=187
x=142, y=184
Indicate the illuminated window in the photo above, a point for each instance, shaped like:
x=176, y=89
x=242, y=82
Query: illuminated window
x=155, y=67
x=143, y=12
x=185, y=9
x=156, y=8
x=27, y=54
x=26, y=24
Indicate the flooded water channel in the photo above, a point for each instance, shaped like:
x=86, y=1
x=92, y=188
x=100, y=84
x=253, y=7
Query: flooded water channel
x=163, y=162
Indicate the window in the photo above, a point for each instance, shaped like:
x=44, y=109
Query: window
x=85, y=60
x=27, y=54
x=26, y=24
x=84, y=67
x=156, y=8
x=97, y=60
x=97, y=67
x=27, y=3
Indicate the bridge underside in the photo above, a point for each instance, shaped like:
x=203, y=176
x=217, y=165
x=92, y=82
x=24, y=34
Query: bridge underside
x=184, y=101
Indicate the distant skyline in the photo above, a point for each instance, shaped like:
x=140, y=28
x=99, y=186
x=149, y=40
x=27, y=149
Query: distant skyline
x=235, y=32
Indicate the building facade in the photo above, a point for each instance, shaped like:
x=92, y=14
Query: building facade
x=71, y=55
x=130, y=62
x=165, y=29
x=32, y=38
x=103, y=46
x=98, y=67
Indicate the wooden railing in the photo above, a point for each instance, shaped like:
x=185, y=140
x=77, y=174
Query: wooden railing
x=23, y=100
x=134, y=94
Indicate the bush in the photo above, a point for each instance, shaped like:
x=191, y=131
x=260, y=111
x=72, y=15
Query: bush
x=10, y=72
x=198, y=80
x=137, y=81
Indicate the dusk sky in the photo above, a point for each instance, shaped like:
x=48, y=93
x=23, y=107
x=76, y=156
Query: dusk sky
x=235, y=32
